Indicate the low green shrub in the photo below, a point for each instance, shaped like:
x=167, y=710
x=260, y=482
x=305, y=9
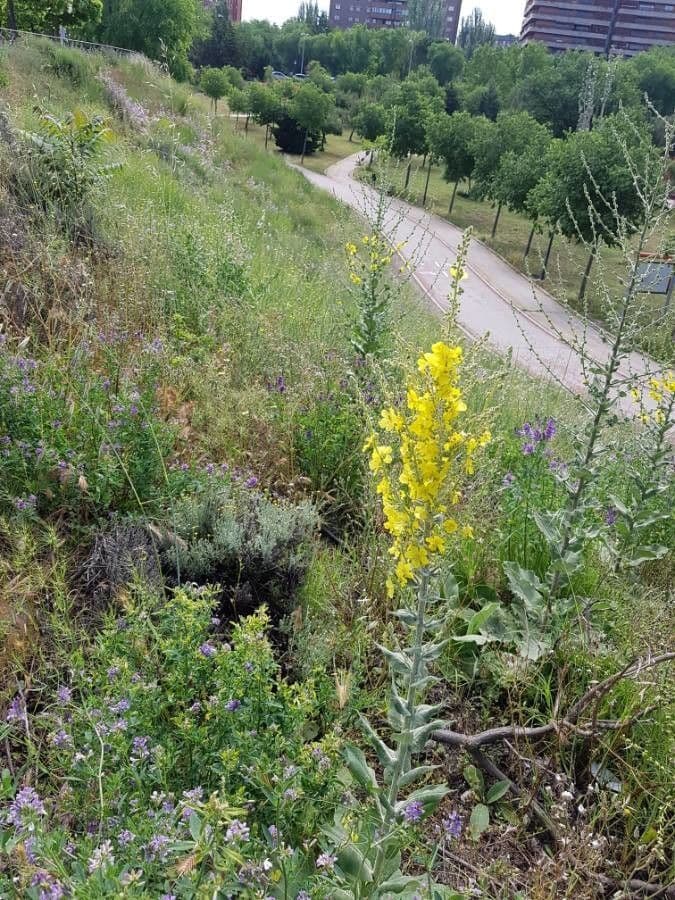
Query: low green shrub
x=234, y=536
x=72, y=65
x=76, y=435
x=328, y=439
x=170, y=758
x=60, y=166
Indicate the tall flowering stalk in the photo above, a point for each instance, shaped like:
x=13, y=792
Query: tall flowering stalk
x=646, y=484
x=420, y=457
x=368, y=263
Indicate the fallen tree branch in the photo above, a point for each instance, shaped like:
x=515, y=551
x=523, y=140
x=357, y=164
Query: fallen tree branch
x=636, y=886
x=473, y=743
x=596, y=692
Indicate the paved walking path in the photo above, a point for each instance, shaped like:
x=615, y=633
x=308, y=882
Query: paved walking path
x=498, y=301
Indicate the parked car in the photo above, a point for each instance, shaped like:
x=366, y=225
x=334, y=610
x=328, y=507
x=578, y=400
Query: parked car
x=300, y=75
x=279, y=76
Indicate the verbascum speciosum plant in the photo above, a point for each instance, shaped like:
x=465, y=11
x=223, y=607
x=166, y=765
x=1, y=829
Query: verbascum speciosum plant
x=420, y=457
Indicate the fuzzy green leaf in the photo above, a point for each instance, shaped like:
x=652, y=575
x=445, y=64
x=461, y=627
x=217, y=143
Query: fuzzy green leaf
x=479, y=821
x=497, y=791
x=358, y=766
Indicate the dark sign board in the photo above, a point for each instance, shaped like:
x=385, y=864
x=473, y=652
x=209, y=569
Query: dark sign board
x=654, y=277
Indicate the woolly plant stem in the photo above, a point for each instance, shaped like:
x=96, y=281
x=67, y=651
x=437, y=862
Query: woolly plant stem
x=404, y=749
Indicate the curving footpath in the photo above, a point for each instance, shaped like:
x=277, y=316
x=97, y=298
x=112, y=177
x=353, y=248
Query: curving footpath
x=498, y=302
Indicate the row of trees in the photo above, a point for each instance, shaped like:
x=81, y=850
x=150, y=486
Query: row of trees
x=514, y=161
x=477, y=76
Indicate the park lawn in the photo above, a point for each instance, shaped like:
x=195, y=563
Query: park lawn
x=566, y=264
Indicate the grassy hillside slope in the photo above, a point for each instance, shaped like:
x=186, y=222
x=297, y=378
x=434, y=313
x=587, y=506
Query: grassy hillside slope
x=193, y=563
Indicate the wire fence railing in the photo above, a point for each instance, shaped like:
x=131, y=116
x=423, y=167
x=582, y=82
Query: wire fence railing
x=10, y=36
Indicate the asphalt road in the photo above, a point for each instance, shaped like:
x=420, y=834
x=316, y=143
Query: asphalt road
x=498, y=301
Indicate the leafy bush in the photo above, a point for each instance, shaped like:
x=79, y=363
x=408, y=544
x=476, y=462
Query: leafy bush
x=328, y=439
x=158, y=753
x=289, y=136
x=70, y=64
x=61, y=165
x=256, y=550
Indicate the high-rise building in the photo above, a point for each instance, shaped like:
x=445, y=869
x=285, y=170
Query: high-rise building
x=388, y=14
x=603, y=26
x=234, y=6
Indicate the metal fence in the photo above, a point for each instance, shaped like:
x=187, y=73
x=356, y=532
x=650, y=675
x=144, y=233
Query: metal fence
x=9, y=36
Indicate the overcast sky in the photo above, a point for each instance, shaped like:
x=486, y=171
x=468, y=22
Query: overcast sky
x=505, y=14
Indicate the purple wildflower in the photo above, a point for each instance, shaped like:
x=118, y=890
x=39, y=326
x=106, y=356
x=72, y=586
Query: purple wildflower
x=61, y=739
x=303, y=895
x=140, y=749
x=49, y=887
x=232, y=705
x=16, y=711
x=101, y=858
x=121, y=706
x=508, y=479
x=186, y=813
x=414, y=811
x=29, y=846
x=237, y=831
x=249, y=667
x=528, y=449
x=452, y=825
x=157, y=848
x=611, y=515
x=326, y=861
x=549, y=429
x=125, y=837
x=208, y=650
x=113, y=672
x=195, y=794
x=251, y=482
x=25, y=806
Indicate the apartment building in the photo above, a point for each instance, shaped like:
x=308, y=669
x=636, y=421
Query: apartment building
x=602, y=26
x=388, y=14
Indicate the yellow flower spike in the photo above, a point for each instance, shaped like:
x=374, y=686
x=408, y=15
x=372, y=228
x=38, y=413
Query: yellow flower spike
x=350, y=248
x=381, y=456
x=421, y=464
x=436, y=543
x=354, y=278
x=457, y=273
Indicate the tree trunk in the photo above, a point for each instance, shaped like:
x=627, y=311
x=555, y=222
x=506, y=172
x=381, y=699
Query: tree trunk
x=304, y=149
x=426, y=183
x=529, y=240
x=494, y=224
x=546, y=258
x=452, y=199
x=248, y=116
x=351, y=134
x=11, y=16
x=267, y=134
x=587, y=272
x=407, y=175
x=215, y=106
